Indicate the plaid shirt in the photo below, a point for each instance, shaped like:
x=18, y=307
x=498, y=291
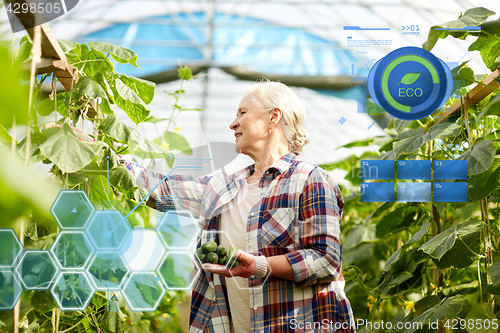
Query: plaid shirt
x=298, y=216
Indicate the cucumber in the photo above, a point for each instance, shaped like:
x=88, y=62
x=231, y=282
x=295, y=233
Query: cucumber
x=234, y=264
x=221, y=251
x=212, y=258
x=209, y=247
x=222, y=260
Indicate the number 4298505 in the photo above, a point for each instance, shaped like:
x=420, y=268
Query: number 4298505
x=40, y=8
x=471, y=324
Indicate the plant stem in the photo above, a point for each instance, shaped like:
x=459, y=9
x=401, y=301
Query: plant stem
x=442, y=148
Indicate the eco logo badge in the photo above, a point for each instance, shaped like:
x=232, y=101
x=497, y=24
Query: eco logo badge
x=30, y=13
x=410, y=83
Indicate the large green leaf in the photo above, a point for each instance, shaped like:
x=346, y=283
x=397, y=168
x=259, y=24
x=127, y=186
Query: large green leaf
x=360, y=234
x=13, y=95
x=22, y=191
x=66, y=151
x=488, y=44
x=447, y=308
x=492, y=109
x=399, y=219
x=494, y=272
x=143, y=88
x=87, y=86
x=47, y=106
x=92, y=62
x=414, y=142
x=23, y=52
x=415, y=238
x=472, y=17
x=122, y=178
x=403, y=269
x=120, y=132
x=481, y=313
x=483, y=184
x=443, y=242
x=463, y=253
x=116, y=129
x=479, y=157
x=72, y=50
x=128, y=100
x=120, y=54
x=177, y=142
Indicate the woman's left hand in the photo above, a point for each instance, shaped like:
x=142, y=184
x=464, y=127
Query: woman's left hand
x=245, y=269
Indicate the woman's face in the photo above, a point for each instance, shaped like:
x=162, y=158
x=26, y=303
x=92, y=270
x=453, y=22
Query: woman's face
x=251, y=127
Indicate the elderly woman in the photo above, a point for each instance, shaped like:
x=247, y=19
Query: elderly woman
x=283, y=214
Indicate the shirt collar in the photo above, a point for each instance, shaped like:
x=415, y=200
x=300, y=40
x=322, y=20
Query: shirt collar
x=281, y=165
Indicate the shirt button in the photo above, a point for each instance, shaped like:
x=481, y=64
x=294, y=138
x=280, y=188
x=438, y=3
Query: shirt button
x=252, y=214
x=252, y=277
x=255, y=307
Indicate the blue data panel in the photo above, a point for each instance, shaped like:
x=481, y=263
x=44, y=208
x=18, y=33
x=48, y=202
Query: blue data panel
x=377, y=192
x=414, y=169
x=414, y=192
x=450, y=192
x=376, y=169
x=454, y=170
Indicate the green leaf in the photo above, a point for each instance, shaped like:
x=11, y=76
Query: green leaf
x=120, y=54
x=463, y=252
x=93, y=62
x=42, y=301
x=447, y=308
x=360, y=234
x=488, y=44
x=23, y=52
x=87, y=86
x=177, y=142
x=494, y=272
x=483, y=184
x=492, y=109
x=472, y=17
x=106, y=107
x=415, y=238
x=361, y=143
x=13, y=95
x=400, y=124
x=47, y=106
x=466, y=75
x=184, y=72
x=479, y=314
x=66, y=151
x=414, y=142
x=4, y=135
x=154, y=120
x=37, y=139
x=121, y=177
x=399, y=219
x=479, y=157
x=72, y=50
x=143, y=88
x=409, y=78
x=128, y=100
x=443, y=242
x=116, y=129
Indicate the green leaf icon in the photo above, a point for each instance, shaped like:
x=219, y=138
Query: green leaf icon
x=409, y=78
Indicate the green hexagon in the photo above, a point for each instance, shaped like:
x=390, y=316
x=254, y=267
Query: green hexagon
x=72, y=209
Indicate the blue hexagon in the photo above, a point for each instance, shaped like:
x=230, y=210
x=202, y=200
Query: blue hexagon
x=147, y=250
x=10, y=290
x=72, y=209
x=178, y=229
x=10, y=248
x=70, y=250
x=37, y=270
x=178, y=270
x=107, y=274
x=72, y=291
x=143, y=291
x=109, y=232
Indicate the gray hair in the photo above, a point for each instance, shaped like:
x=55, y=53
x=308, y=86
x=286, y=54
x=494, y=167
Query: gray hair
x=269, y=95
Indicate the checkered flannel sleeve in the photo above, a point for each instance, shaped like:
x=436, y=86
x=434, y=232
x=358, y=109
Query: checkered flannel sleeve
x=321, y=204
